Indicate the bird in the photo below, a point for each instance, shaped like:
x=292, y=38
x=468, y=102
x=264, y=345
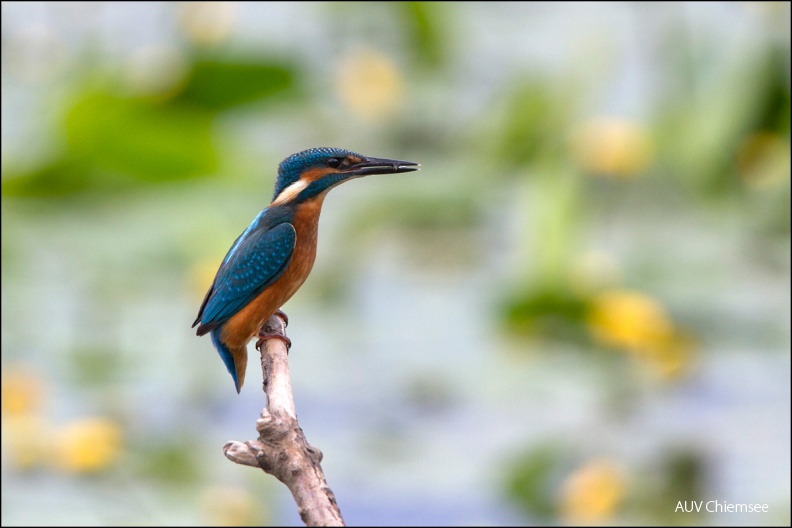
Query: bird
x=271, y=259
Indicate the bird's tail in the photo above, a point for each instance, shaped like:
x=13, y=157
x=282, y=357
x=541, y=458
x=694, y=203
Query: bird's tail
x=235, y=360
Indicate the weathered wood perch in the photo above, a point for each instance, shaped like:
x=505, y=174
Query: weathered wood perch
x=281, y=449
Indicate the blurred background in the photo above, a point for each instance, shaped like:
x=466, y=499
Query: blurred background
x=577, y=312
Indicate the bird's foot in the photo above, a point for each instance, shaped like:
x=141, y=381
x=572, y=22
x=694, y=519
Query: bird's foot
x=264, y=336
x=280, y=313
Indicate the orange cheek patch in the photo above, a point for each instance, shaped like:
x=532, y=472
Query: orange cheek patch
x=353, y=160
x=311, y=175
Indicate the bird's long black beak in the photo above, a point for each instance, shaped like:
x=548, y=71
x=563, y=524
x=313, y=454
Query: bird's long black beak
x=381, y=166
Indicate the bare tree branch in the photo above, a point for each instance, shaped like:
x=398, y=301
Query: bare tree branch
x=281, y=449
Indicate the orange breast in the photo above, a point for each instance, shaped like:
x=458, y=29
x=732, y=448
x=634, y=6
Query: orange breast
x=245, y=324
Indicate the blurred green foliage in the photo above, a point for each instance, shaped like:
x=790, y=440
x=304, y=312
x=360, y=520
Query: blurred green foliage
x=534, y=116
x=551, y=312
x=424, y=23
x=114, y=142
x=172, y=463
x=700, y=134
x=134, y=137
x=531, y=477
x=217, y=84
x=545, y=481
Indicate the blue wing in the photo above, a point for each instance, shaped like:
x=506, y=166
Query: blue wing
x=254, y=262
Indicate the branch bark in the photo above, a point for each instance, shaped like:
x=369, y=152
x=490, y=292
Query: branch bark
x=281, y=448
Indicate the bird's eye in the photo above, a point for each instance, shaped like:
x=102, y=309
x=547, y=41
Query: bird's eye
x=334, y=163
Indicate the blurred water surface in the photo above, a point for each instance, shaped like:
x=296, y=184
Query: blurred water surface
x=460, y=351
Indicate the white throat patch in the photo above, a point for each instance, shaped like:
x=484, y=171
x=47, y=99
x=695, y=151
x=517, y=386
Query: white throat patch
x=290, y=193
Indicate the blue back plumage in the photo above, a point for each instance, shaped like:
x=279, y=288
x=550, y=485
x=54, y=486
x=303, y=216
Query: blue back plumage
x=256, y=260
x=291, y=168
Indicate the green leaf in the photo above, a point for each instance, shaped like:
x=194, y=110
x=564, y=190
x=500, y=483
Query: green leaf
x=114, y=142
x=221, y=84
x=530, y=480
x=532, y=124
x=60, y=177
x=546, y=311
x=173, y=462
x=141, y=139
x=425, y=22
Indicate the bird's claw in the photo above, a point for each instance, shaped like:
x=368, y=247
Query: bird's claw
x=280, y=313
x=263, y=337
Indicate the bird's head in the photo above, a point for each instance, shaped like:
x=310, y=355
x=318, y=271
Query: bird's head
x=312, y=172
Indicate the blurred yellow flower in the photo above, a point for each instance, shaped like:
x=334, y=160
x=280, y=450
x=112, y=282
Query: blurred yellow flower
x=207, y=22
x=612, y=147
x=628, y=319
x=88, y=445
x=22, y=391
x=229, y=507
x=24, y=438
x=592, y=493
x=635, y=322
x=369, y=84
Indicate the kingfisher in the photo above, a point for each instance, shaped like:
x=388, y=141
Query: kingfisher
x=271, y=259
